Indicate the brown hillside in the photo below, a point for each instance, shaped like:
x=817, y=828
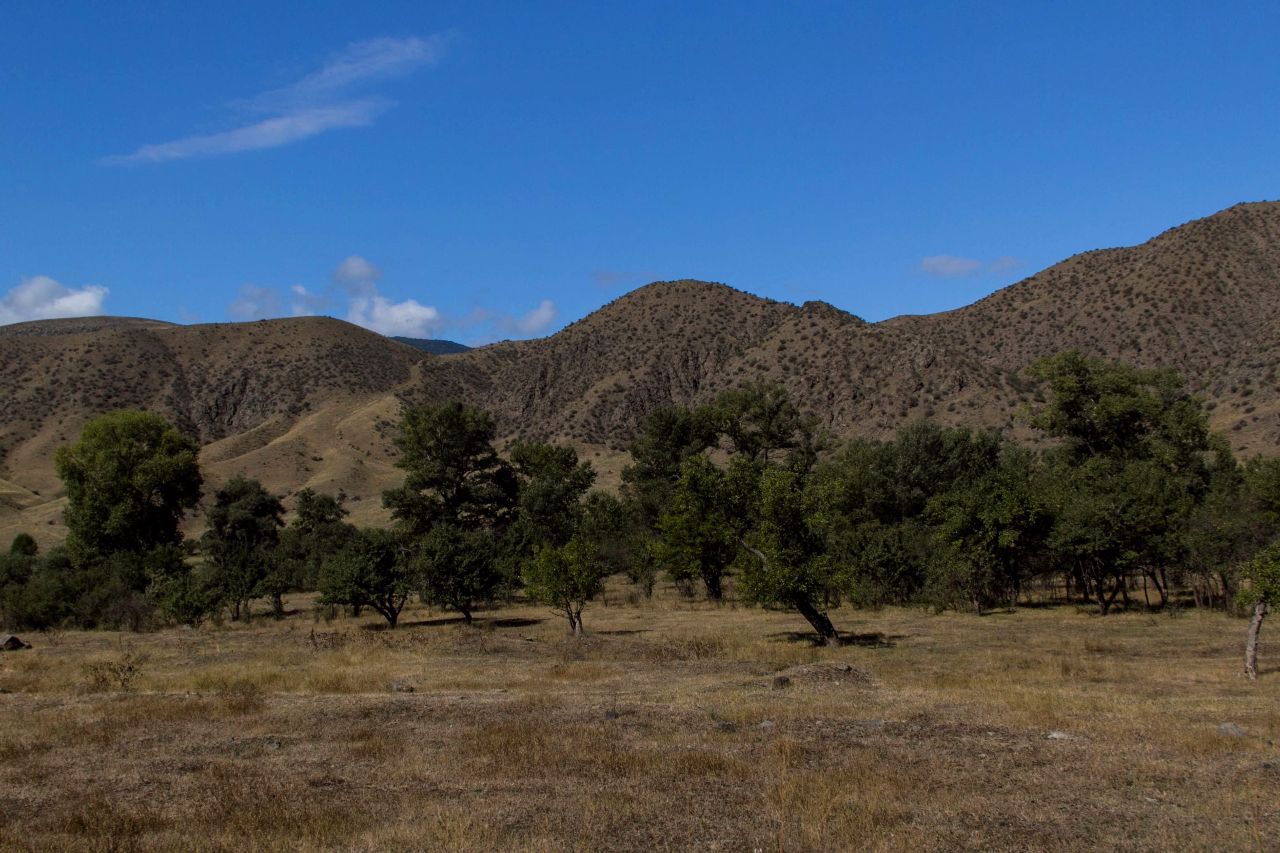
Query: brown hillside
x=309, y=401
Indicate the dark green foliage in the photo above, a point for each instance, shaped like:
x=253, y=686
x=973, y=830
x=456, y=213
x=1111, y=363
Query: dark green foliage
x=130, y=479
x=1261, y=579
x=452, y=472
x=244, y=528
x=1100, y=408
x=1132, y=467
x=992, y=532
x=458, y=568
x=760, y=422
x=24, y=545
x=869, y=501
x=925, y=460
x=699, y=531
x=371, y=570
x=38, y=593
x=567, y=578
x=552, y=483
x=667, y=438
x=790, y=567
x=617, y=531
x=185, y=594
x=316, y=531
x=757, y=420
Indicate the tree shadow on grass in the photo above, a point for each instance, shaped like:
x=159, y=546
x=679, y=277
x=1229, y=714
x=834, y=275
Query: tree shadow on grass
x=444, y=621
x=623, y=632
x=515, y=622
x=874, y=640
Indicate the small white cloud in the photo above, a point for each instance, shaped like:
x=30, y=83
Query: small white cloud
x=949, y=266
x=536, y=321
x=357, y=276
x=410, y=318
x=323, y=100
x=303, y=303
x=255, y=303
x=1004, y=264
x=42, y=298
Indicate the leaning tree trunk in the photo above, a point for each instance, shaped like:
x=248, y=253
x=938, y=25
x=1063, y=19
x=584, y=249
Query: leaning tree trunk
x=821, y=623
x=1251, y=642
x=714, y=585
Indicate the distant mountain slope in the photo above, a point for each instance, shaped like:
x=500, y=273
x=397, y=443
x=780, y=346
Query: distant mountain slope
x=433, y=345
x=309, y=401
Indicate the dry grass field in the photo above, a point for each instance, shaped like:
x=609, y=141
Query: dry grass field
x=673, y=725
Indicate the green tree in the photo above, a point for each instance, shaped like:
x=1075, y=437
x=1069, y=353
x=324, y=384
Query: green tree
x=869, y=500
x=187, y=595
x=790, y=567
x=371, y=570
x=615, y=528
x=130, y=479
x=1231, y=523
x=452, y=472
x=991, y=532
x=317, y=530
x=244, y=527
x=566, y=578
x=458, y=569
x=667, y=437
x=552, y=483
x=1130, y=469
x=699, y=531
x=1259, y=592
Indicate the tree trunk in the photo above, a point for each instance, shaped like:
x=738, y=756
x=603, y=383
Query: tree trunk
x=1251, y=642
x=827, y=633
x=1105, y=600
x=715, y=589
x=466, y=615
x=277, y=605
x=575, y=623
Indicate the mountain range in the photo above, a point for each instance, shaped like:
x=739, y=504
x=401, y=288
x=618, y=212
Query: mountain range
x=313, y=401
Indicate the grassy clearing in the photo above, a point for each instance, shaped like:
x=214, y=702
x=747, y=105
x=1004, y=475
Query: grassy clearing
x=666, y=727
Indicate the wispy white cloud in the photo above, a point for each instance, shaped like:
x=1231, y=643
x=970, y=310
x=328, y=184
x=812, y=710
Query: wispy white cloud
x=268, y=133
x=361, y=62
x=304, y=303
x=949, y=266
x=534, y=322
x=954, y=266
x=255, y=303
x=323, y=100
x=42, y=298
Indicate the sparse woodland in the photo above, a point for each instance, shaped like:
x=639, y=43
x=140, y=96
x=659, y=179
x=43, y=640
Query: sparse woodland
x=764, y=639
x=1130, y=502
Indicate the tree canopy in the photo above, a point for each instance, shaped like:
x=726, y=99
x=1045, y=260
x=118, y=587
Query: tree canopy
x=130, y=480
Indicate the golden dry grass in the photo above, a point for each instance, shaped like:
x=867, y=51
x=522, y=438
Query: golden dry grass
x=663, y=729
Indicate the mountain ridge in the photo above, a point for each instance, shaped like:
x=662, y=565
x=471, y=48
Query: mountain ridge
x=310, y=401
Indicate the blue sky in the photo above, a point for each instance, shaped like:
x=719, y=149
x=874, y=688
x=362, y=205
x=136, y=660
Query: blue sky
x=481, y=170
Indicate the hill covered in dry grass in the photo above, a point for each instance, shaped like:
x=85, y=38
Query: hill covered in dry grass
x=309, y=401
